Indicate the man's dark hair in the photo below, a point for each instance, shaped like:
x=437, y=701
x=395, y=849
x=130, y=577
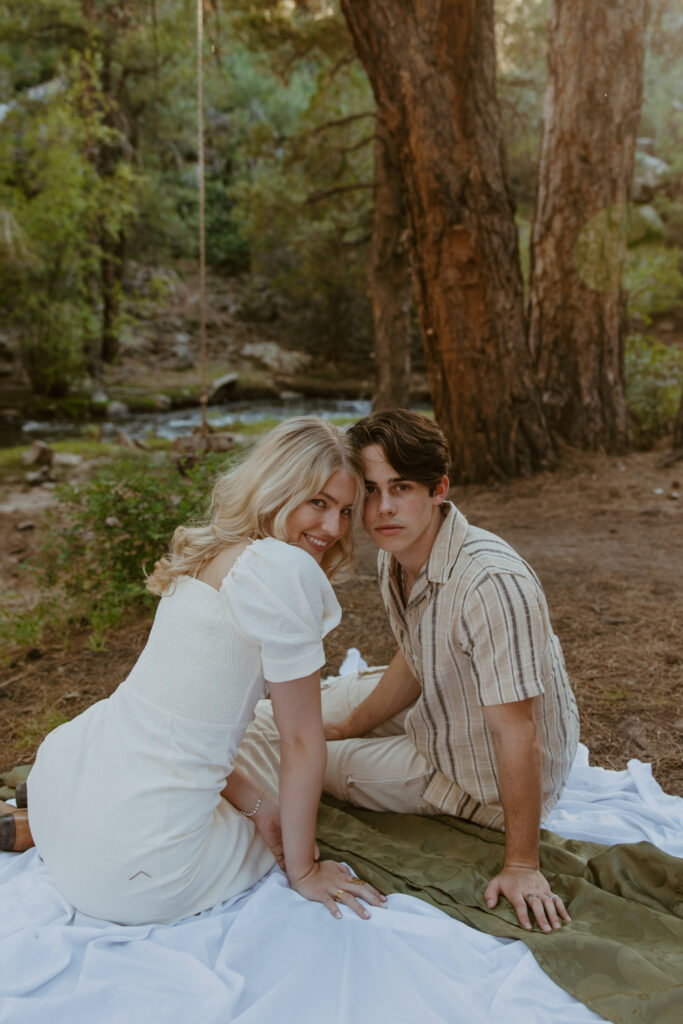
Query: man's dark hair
x=412, y=444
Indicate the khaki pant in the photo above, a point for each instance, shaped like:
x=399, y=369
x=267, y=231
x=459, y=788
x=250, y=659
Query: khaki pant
x=381, y=772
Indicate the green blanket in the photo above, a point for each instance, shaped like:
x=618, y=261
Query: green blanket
x=622, y=954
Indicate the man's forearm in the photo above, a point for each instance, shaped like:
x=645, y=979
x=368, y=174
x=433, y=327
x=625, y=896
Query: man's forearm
x=518, y=759
x=520, y=782
x=521, y=794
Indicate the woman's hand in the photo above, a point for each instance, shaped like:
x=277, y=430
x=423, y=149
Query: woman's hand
x=330, y=883
x=267, y=822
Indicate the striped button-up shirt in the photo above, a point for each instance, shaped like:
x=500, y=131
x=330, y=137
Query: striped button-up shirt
x=476, y=633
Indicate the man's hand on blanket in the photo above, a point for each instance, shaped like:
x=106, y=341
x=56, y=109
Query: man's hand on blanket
x=331, y=883
x=527, y=889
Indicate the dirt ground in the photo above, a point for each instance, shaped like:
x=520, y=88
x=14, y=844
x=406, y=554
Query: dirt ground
x=605, y=535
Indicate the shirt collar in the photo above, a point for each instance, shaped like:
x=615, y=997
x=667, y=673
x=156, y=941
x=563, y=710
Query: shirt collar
x=442, y=557
x=447, y=544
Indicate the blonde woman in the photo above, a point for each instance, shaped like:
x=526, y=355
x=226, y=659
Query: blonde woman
x=133, y=805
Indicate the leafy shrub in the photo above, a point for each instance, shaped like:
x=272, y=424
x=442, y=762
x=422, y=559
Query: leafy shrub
x=653, y=280
x=101, y=536
x=654, y=376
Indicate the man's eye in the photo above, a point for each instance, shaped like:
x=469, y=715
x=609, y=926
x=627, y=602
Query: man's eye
x=369, y=489
x=402, y=487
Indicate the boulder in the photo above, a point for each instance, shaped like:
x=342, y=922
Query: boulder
x=274, y=358
x=39, y=454
x=181, y=351
x=117, y=410
x=649, y=174
x=222, y=388
x=644, y=223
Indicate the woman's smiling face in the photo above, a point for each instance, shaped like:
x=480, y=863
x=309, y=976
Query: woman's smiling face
x=322, y=520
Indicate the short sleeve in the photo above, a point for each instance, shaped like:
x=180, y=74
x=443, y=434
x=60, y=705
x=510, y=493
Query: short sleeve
x=506, y=636
x=279, y=598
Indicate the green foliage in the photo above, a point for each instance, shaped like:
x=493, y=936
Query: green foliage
x=63, y=208
x=653, y=280
x=102, y=535
x=654, y=377
x=520, y=27
x=301, y=171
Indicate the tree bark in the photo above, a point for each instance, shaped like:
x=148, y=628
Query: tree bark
x=577, y=307
x=431, y=65
x=389, y=281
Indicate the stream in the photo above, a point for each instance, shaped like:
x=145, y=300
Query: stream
x=172, y=424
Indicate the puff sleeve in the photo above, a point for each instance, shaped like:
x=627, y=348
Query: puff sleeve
x=280, y=599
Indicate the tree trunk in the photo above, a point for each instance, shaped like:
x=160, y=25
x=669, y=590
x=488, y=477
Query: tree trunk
x=113, y=252
x=432, y=68
x=389, y=282
x=678, y=426
x=577, y=307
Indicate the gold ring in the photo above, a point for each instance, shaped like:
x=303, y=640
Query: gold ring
x=338, y=895
x=354, y=880
x=531, y=896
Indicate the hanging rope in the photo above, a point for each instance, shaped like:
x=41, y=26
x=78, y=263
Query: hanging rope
x=203, y=399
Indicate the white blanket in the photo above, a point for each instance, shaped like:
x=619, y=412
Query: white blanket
x=271, y=957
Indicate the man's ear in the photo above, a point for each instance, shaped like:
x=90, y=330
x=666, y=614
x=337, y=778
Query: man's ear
x=441, y=490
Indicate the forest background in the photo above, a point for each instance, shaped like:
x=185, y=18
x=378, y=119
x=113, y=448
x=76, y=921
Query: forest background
x=99, y=217
x=99, y=196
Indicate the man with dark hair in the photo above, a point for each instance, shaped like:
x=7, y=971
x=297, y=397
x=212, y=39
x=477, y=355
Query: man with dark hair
x=474, y=716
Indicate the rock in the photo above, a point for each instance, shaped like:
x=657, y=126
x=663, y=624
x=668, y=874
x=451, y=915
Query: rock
x=274, y=358
x=116, y=410
x=123, y=439
x=290, y=396
x=18, y=774
x=645, y=223
x=221, y=442
x=649, y=173
x=27, y=524
x=678, y=725
x=99, y=400
x=36, y=477
x=222, y=388
x=196, y=443
x=181, y=351
x=112, y=521
x=67, y=459
x=39, y=454
x=162, y=402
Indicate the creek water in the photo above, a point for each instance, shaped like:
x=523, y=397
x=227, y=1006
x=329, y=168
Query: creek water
x=172, y=424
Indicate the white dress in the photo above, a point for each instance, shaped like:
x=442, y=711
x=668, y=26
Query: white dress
x=124, y=801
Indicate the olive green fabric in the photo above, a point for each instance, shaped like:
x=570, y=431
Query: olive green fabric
x=622, y=954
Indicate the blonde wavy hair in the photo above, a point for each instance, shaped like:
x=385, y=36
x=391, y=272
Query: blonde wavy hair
x=254, y=499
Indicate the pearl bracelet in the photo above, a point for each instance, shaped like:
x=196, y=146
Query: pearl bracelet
x=251, y=814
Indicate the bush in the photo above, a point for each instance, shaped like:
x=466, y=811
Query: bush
x=102, y=535
x=654, y=376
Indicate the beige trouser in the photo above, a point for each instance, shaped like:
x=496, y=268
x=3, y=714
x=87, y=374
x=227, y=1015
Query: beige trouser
x=381, y=772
